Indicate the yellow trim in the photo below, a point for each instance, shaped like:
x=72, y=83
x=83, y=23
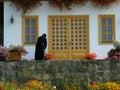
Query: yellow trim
x=23, y=29
x=100, y=30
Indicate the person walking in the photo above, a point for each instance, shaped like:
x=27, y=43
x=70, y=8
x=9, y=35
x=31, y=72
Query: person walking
x=40, y=47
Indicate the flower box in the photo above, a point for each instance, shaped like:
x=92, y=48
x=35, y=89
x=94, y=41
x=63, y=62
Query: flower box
x=15, y=56
x=16, y=52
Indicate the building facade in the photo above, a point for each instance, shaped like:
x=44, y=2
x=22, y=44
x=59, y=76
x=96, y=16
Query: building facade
x=70, y=34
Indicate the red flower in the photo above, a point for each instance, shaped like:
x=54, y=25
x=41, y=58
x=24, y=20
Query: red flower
x=48, y=56
x=93, y=83
x=0, y=88
x=91, y=56
x=40, y=88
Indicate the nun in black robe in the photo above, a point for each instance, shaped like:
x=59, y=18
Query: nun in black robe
x=40, y=47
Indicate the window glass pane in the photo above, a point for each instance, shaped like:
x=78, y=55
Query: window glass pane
x=106, y=26
x=103, y=29
x=33, y=38
x=33, y=22
x=33, y=31
x=30, y=27
x=109, y=37
x=27, y=30
x=27, y=38
x=27, y=22
x=110, y=29
x=103, y=21
x=104, y=37
x=110, y=21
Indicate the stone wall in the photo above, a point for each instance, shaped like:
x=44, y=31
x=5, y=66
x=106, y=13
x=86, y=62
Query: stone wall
x=60, y=72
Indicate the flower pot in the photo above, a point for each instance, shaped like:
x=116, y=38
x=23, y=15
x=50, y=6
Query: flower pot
x=15, y=56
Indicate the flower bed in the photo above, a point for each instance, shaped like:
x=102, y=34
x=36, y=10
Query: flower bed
x=30, y=85
x=38, y=85
x=34, y=85
x=104, y=86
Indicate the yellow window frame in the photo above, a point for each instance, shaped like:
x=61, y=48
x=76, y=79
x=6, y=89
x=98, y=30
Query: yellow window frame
x=24, y=33
x=100, y=17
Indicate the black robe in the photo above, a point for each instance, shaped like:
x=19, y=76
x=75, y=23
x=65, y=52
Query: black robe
x=40, y=48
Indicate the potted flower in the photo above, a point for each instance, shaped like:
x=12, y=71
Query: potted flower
x=91, y=56
x=114, y=53
x=4, y=53
x=16, y=52
x=48, y=56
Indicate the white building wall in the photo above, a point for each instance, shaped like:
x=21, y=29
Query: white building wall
x=13, y=32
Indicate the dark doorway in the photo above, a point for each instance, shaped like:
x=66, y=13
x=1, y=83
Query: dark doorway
x=1, y=24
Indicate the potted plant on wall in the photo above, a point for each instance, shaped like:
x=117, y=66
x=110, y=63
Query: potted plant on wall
x=48, y=56
x=16, y=52
x=114, y=53
x=91, y=56
x=4, y=53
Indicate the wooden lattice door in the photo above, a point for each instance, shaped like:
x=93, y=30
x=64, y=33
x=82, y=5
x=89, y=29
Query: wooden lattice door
x=68, y=37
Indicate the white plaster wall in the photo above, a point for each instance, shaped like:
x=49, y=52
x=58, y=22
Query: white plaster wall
x=13, y=32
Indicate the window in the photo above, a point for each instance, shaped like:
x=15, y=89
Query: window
x=30, y=30
x=106, y=29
